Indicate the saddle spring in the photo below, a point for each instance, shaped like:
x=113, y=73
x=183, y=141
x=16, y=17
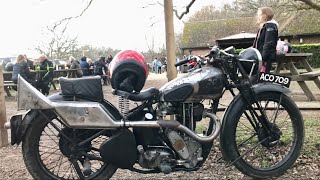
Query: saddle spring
x=123, y=104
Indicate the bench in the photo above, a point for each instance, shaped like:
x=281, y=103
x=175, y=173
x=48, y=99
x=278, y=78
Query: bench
x=307, y=76
x=311, y=74
x=7, y=86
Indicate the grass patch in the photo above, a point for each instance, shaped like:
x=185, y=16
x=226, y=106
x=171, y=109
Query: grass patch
x=312, y=137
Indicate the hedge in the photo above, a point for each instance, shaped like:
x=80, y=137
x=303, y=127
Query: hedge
x=306, y=48
x=310, y=48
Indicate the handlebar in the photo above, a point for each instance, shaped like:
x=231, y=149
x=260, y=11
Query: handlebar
x=214, y=50
x=182, y=62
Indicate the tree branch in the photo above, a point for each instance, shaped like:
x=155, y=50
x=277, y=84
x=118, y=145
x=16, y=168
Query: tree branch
x=72, y=17
x=185, y=12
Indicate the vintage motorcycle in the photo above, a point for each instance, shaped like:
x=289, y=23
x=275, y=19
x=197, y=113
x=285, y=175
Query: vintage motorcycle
x=77, y=134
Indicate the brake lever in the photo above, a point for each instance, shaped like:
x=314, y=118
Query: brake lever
x=227, y=54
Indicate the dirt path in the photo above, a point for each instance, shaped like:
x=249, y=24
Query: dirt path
x=12, y=165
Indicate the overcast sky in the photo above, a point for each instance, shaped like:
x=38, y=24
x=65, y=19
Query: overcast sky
x=119, y=24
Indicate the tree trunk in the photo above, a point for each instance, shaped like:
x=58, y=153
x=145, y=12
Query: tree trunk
x=170, y=40
x=3, y=115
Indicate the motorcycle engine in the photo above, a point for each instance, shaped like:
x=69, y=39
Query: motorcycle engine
x=162, y=158
x=156, y=157
x=189, y=150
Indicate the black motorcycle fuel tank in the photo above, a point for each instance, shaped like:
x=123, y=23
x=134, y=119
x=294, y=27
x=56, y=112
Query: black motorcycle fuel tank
x=204, y=83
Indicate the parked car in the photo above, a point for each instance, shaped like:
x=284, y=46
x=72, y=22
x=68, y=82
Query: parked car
x=59, y=64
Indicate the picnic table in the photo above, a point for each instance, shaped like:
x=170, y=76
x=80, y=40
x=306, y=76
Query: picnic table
x=7, y=75
x=291, y=62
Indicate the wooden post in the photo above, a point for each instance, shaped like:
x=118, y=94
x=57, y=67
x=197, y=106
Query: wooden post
x=3, y=115
x=170, y=40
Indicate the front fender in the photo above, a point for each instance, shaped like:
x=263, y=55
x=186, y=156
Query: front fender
x=267, y=87
x=19, y=124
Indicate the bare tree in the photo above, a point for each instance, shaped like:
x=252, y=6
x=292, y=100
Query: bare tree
x=151, y=48
x=212, y=13
x=184, y=12
x=59, y=44
x=177, y=14
x=250, y=6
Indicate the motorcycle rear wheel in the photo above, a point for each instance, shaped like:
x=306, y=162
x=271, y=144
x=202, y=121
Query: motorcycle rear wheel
x=48, y=156
x=254, y=152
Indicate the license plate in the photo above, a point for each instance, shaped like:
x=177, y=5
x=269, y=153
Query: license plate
x=274, y=78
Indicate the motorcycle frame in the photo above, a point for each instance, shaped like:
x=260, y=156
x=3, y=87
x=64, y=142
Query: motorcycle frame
x=92, y=115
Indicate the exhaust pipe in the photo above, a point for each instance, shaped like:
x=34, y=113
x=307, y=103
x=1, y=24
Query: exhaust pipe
x=176, y=125
x=205, y=139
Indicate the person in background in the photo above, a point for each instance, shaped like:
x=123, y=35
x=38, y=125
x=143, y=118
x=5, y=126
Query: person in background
x=21, y=67
x=29, y=62
x=75, y=65
x=154, y=65
x=91, y=64
x=84, y=66
x=159, y=66
x=267, y=37
x=165, y=64
x=46, y=76
x=101, y=69
x=109, y=59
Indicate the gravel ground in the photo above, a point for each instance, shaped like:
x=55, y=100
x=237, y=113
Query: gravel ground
x=12, y=165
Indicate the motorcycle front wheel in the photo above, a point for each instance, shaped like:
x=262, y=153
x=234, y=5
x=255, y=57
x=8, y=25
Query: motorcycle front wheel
x=254, y=151
x=51, y=151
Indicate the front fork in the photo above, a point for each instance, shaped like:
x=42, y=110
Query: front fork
x=257, y=117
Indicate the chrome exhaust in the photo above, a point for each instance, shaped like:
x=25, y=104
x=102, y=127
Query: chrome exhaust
x=205, y=139
x=176, y=125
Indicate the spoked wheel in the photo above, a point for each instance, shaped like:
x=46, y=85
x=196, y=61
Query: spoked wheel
x=52, y=151
x=259, y=152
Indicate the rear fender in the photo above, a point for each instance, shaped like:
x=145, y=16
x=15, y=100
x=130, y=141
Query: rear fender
x=20, y=123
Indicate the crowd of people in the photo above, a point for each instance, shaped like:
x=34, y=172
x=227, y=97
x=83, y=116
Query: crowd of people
x=159, y=66
x=85, y=67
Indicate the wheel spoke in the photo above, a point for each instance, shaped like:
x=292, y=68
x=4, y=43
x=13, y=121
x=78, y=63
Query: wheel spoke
x=61, y=150
x=243, y=142
x=260, y=149
x=77, y=169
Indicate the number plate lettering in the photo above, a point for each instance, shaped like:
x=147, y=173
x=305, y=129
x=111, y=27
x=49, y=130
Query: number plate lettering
x=274, y=78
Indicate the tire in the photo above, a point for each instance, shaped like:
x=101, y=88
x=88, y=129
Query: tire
x=42, y=162
x=236, y=147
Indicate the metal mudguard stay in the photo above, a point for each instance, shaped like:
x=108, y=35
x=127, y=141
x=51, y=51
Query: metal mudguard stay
x=258, y=89
x=20, y=124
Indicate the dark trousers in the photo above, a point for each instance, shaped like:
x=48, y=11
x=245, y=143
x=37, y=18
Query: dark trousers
x=44, y=87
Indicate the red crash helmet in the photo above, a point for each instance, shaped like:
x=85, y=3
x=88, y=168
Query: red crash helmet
x=128, y=71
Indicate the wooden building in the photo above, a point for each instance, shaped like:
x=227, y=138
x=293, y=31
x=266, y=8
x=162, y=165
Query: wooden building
x=296, y=28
